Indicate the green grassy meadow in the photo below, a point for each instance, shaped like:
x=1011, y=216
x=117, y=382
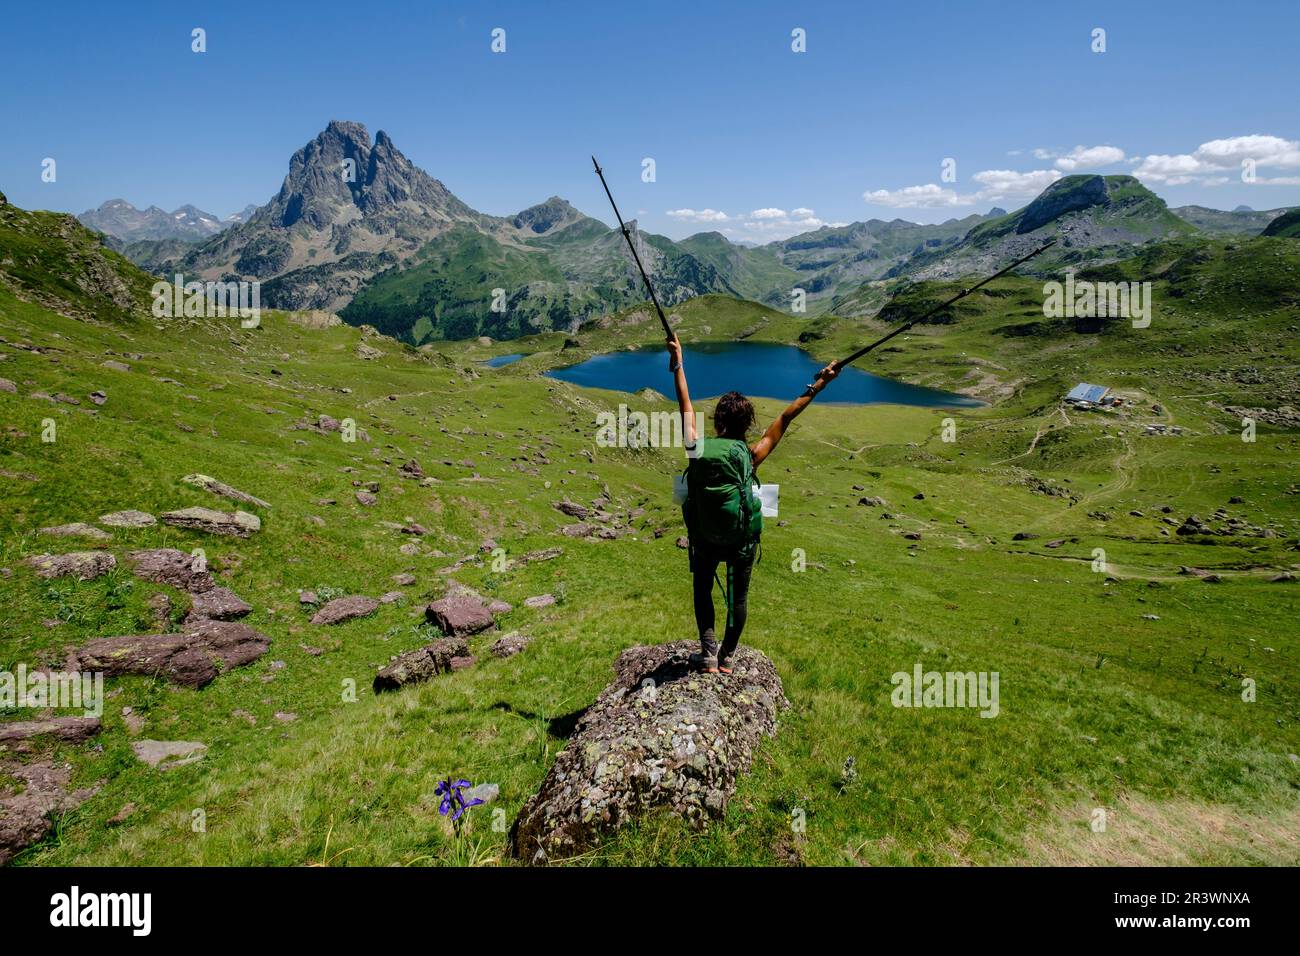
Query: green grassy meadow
x=1120, y=689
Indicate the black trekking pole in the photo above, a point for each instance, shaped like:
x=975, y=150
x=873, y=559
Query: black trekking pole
x=668, y=331
x=939, y=308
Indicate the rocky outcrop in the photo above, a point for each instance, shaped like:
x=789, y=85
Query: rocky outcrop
x=192, y=658
x=660, y=737
x=26, y=815
x=77, y=529
x=169, y=566
x=84, y=565
x=74, y=729
x=239, y=524
x=128, y=519
x=422, y=663
x=223, y=490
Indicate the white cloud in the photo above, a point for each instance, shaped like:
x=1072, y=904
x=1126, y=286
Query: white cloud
x=929, y=196
x=1089, y=157
x=1206, y=164
x=761, y=225
x=1009, y=184
x=697, y=215
x=997, y=184
x=1264, y=150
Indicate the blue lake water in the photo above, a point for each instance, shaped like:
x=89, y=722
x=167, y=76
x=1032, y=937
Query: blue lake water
x=762, y=369
x=500, y=360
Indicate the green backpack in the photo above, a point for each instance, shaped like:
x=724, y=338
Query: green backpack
x=721, y=507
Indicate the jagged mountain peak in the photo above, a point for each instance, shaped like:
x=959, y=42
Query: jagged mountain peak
x=340, y=167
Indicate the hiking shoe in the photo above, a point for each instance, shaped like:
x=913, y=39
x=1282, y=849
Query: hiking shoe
x=707, y=663
x=725, y=661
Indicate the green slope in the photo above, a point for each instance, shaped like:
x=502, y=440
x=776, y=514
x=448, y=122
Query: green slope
x=1119, y=690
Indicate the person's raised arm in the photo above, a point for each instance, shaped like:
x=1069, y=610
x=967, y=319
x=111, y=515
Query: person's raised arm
x=776, y=431
x=683, y=396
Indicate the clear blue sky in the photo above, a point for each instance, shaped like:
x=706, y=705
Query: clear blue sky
x=736, y=122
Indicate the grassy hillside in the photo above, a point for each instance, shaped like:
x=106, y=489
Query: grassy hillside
x=1237, y=222
x=1285, y=226
x=1120, y=689
x=549, y=283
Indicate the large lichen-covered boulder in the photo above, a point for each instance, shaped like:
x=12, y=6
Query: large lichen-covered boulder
x=660, y=737
x=192, y=658
x=238, y=524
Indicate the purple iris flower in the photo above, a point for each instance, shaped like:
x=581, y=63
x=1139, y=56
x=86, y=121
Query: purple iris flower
x=453, y=798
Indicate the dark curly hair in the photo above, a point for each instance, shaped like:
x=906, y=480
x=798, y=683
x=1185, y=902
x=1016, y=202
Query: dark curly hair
x=733, y=416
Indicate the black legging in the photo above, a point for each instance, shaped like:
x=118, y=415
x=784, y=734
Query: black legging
x=704, y=564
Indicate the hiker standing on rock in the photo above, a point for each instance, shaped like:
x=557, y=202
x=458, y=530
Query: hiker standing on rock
x=724, y=517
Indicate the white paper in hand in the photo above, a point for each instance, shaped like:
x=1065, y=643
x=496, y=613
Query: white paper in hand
x=767, y=494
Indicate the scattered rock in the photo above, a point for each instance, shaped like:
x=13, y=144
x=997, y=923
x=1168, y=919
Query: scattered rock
x=239, y=524
x=683, y=542
x=224, y=490
x=1023, y=536
x=510, y=644
x=459, y=616
x=192, y=658
x=218, y=604
x=1193, y=525
x=345, y=609
x=404, y=580
x=84, y=565
x=122, y=815
x=872, y=501
x=77, y=529
x=166, y=754
x=308, y=598
x=366, y=498
x=73, y=729
x=572, y=509
x=128, y=519
x=421, y=663
x=659, y=736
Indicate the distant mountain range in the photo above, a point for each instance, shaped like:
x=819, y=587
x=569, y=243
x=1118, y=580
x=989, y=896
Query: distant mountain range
x=358, y=229
x=121, y=220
